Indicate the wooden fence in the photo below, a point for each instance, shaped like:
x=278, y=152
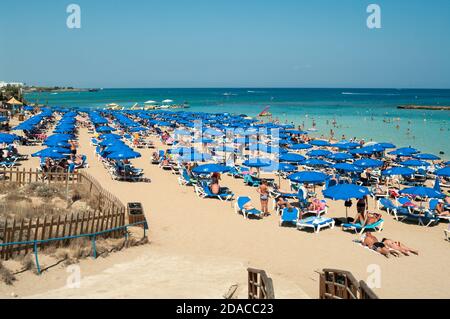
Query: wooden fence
x=260, y=286
x=109, y=212
x=341, y=284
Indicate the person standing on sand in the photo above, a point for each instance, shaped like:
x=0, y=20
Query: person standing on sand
x=73, y=147
x=263, y=191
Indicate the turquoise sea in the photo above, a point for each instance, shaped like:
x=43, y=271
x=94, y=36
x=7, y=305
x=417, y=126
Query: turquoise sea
x=371, y=114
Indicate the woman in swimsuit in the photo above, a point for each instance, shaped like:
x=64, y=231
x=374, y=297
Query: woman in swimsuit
x=263, y=191
x=361, y=207
x=396, y=245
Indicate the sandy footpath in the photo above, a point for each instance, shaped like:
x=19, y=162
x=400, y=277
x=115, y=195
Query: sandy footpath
x=200, y=247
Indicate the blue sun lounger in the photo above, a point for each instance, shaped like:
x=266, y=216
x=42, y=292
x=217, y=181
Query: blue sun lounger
x=399, y=212
x=316, y=223
x=185, y=180
x=432, y=210
x=358, y=228
x=289, y=216
x=203, y=191
x=239, y=207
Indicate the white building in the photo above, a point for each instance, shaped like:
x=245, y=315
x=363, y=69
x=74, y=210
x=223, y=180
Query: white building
x=3, y=84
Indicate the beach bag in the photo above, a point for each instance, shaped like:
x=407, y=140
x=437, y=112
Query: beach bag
x=348, y=203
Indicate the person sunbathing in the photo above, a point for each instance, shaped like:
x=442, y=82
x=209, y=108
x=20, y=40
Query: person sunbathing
x=372, y=242
x=398, y=246
x=215, y=187
x=281, y=202
x=249, y=206
x=440, y=209
x=316, y=205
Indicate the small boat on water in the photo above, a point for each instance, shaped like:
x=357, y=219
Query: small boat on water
x=265, y=112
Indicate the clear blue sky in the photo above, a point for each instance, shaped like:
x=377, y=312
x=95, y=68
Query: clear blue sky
x=226, y=43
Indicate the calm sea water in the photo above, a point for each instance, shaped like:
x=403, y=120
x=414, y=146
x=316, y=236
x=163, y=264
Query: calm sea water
x=371, y=114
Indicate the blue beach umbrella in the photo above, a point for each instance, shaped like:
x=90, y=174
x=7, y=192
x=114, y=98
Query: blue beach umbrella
x=308, y=177
x=8, y=138
x=422, y=192
x=347, y=167
x=366, y=163
x=345, y=145
x=445, y=172
x=203, y=140
x=319, y=143
x=52, y=152
x=404, y=151
x=315, y=162
x=292, y=158
x=424, y=156
x=300, y=146
x=210, y=168
x=56, y=143
x=101, y=129
x=346, y=192
x=318, y=153
x=285, y=167
x=110, y=136
x=386, y=145
x=340, y=156
x=437, y=185
x=414, y=163
x=398, y=171
x=257, y=163
x=123, y=154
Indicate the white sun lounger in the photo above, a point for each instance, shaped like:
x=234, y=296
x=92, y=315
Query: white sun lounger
x=316, y=223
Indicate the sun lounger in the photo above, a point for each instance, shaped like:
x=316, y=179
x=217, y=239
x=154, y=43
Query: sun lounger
x=239, y=207
x=358, y=228
x=399, y=212
x=316, y=223
x=251, y=180
x=185, y=180
x=289, y=216
x=319, y=211
x=432, y=210
x=203, y=191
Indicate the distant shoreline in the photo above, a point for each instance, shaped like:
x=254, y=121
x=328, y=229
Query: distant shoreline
x=425, y=107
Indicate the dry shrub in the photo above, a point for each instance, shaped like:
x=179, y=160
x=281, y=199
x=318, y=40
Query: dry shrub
x=6, y=275
x=17, y=196
x=79, y=248
x=49, y=191
x=27, y=262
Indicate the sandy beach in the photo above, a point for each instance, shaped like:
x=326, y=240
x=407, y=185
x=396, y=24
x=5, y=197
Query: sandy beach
x=200, y=247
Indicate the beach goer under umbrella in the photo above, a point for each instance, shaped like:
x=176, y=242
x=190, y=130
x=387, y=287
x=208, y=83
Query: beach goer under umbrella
x=346, y=192
x=257, y=163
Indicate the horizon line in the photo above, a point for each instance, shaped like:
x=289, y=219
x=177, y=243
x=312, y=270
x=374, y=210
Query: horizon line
x=249, y=87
